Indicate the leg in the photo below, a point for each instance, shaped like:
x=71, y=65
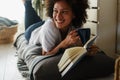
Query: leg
x=31, y=16
x=31, y=28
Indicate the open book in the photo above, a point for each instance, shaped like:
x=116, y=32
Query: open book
x=72, y=56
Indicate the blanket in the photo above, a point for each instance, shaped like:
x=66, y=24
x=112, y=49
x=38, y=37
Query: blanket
x=28, y=56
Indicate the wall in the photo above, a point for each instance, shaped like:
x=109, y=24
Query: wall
x=118, y=29
x=106, y=30
x=92, y=16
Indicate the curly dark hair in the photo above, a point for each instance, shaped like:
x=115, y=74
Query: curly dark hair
x=78, y=7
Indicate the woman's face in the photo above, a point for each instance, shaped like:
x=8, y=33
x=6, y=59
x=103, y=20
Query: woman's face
x=62, y=15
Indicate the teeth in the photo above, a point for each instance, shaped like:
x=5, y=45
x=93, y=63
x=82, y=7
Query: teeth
x=61, y=21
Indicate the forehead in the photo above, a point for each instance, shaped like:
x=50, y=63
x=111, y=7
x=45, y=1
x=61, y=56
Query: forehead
x=61, y=5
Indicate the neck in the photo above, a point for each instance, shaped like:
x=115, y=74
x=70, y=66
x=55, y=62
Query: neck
x=65, y=29
x=64, y=32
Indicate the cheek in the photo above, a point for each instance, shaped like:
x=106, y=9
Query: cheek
x=69, y=16
x=68, y=19
x=54, y=17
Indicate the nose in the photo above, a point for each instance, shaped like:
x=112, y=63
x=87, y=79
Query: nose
x=59, y=16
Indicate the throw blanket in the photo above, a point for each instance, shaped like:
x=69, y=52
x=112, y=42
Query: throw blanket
x=7, y=23
x=28, y=55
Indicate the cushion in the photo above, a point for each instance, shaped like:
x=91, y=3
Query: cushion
x=96, y=66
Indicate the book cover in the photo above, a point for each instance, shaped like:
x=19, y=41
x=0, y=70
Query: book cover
x=72, y=56
x=84, y=34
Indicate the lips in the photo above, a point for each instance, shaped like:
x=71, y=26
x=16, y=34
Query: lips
x=60, y=22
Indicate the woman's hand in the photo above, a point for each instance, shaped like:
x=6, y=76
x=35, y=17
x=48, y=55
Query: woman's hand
x=71, y=39
x=92, y=50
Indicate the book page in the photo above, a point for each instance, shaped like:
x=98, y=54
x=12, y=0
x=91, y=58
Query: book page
x=73, y=55
x=74, y=61
x=65, y=64
x=69, y=55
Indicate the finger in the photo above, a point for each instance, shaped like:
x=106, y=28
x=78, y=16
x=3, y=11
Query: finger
x=71, y=32
x=93, y=46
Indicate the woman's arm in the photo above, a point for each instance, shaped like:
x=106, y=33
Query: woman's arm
x=71, y=39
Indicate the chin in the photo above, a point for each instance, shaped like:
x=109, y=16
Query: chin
x=59, y=27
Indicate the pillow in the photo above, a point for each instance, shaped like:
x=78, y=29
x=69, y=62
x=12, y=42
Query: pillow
x=96, y=66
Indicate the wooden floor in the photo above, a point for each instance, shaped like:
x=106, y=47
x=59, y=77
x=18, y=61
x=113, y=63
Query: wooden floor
x=8, y=66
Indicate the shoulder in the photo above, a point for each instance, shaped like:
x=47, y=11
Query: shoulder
x=49, y=26
x=49, y=35
x=49, y=23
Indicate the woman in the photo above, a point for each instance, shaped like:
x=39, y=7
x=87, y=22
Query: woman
x=59, y=31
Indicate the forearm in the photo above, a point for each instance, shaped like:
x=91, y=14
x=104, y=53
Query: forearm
x=55, y=50
x=71, y=40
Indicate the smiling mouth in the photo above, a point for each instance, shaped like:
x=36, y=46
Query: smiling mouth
x=60, y=22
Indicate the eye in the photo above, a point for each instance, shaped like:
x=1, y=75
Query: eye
x=55, y=11
x=64, y=11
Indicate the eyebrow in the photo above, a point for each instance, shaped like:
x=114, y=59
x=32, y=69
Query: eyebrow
x=62, y=9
